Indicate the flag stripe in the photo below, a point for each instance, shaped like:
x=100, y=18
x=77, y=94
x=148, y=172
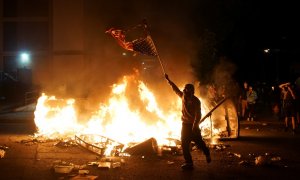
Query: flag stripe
x=145, y=46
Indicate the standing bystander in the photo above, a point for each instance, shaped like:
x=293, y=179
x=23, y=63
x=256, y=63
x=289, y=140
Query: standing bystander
x=243, y=99
x=288, y=105
x=251, y=101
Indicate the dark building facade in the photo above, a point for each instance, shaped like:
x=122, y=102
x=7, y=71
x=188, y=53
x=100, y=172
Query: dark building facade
x=49, y=35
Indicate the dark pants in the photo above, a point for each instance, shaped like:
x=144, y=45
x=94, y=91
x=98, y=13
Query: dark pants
x=251, y=110
x=187, y=135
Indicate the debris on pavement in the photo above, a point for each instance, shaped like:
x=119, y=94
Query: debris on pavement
x=66, y=143
x=84, y=177
x=109, y=163
x=148, y=147
x=2, y=153
x=219, y=147
x=3, y=147
x=34, y=140
x=261, y=160
x=267, y=160
x=245, y=163
x=234, y=154
x=99, y=144
x=62, y=167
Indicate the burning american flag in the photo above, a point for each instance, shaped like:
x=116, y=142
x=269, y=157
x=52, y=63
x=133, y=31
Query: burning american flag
x=143, y=45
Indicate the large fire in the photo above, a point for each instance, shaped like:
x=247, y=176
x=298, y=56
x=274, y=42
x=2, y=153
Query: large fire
x=127, y=116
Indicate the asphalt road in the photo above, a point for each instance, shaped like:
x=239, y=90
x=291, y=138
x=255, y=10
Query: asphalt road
x=277, y=154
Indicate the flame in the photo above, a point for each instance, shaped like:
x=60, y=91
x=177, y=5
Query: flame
x=131, y=114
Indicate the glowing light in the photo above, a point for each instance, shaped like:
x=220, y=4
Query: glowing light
x=25, y=57
x=266, y=50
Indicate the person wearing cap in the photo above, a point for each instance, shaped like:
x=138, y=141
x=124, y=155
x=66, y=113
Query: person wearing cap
x=190, y=131
x=288, y=105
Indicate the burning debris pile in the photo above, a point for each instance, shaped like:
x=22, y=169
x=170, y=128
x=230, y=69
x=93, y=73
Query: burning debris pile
x=130, y=116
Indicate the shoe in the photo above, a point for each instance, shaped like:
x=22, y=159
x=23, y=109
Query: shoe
x=187, y=166
x=252, y=119
x=248, y=119
x=208, y=159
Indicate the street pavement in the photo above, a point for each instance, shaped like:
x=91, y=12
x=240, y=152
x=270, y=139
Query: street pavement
x=262, y=151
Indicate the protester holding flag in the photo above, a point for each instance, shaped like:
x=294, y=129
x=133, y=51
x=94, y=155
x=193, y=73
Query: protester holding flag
x=190, y=131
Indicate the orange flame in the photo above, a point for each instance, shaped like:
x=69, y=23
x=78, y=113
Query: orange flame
x=128, y=116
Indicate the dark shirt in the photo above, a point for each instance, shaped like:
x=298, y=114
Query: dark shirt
x=244, y=94
x=191, y=106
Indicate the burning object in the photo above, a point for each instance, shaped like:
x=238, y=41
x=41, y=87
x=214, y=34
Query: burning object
x=148, y=147
x=2, y=153
x=99, y=144
x=131, y=113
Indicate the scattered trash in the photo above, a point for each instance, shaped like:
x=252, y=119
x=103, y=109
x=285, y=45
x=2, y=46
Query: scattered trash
x=66, y=143
x=234, y=154
x=109, y=163
x=268, y=159
x=244, y=162
x=276, y=158
x=3, y=147
x=237, y=155
x=62, y=167
x=218, y=147
x=34, y=140
x=84, y=177
x=148, y=147
x=2, y=153
x=115, y=165
x=170, y=162
x=261, y=160
x=93, y=163
x=99, y=144
x=83, y=172
x=104, y=165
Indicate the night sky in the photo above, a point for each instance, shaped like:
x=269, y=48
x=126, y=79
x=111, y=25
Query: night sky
x=266, y=25
x=236, y=30
x=208, y=40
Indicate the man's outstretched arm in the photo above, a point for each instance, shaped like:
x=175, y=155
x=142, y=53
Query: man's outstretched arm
x=174, y=87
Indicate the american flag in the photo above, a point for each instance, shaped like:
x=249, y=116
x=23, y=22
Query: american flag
x=142, y=45
x=145, y=46
x=120, y=37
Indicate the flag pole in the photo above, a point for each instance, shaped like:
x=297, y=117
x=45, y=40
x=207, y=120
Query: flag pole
x=157, y=55
x=162, y=67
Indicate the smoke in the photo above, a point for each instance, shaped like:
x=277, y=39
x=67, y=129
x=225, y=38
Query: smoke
x=103, y=62
x=223, y=77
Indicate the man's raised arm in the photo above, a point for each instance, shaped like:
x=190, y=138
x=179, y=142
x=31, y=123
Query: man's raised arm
x=174, y=87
